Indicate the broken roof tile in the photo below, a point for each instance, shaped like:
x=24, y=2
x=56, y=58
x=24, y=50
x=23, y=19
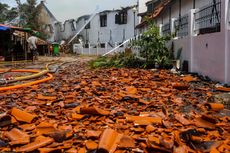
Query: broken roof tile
x=39, y=142
x=45, y=128
x=182, y=120
x=199, y=122
x=142, y=120
x=126, y=142
x=93, y=110
x=5, y=120
x=93, y=134
x=22, y=115
x=17, y=137
x=91, y=145
x=109, y=140
x=215, y=106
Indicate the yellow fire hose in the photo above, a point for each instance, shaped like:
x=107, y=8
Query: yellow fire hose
x=50, y=76
x=38, y=74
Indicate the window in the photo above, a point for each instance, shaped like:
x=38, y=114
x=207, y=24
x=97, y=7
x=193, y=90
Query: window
x=121, y=17
x=87, y=26
x=207, y=18
x=149, y=7
x=103, y=20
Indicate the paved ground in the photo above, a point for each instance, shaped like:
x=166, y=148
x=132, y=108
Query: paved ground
x=114, y=110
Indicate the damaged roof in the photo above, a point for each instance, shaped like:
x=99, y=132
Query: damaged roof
x=159, y=9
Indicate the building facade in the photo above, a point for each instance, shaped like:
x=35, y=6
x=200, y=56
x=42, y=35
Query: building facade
x=201, y=30
x=106, y=27
x=48, y=21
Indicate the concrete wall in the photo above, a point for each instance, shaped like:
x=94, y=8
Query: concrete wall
x=208, y=54
x=208, y=57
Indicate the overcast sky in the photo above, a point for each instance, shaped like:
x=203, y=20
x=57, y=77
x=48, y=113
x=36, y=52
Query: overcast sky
x=71, y=9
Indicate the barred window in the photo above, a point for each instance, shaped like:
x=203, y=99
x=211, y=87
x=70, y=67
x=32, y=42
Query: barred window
x=121, y=17
x=103, y=20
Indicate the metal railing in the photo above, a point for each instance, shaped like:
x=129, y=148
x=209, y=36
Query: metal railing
x=181, y=26
x=166, y=29
x=208, y=18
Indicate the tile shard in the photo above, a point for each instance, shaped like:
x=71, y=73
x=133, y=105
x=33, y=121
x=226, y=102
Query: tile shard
x=126, y=142
x=22, y=115
x=45, y=128
x=182, y=120
x=109, y=141
x=39, y=142
x=93, y=110
x=93, y=134
x=215, y=106
x=143, y=120
x=5, y=120
x=17, y=137
x=91, y=145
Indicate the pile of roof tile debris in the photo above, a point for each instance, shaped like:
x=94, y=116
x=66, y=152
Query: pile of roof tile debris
x=114, y=111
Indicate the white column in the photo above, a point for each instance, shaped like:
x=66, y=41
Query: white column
x=106, y=47
x=191, y=34
x=97, y=48
x=224, y=26
x=82, y=47
x=172, y=24
x=160, y=28
x=115, y=47
x=89, y=48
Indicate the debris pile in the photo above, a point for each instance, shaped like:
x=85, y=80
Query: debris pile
x=114, y=111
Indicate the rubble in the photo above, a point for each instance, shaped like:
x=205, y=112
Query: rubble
x=115, y=111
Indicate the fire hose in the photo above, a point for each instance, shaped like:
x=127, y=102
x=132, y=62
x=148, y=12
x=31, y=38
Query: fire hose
x=33, y=76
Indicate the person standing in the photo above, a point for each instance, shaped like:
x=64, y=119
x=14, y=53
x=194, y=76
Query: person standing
x=32, y=41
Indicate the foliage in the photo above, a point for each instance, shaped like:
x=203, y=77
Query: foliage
x=7, y=13
x=3, y=10
x=29, y=14
x=153, y=51
x=153, y=47
x=123, y=59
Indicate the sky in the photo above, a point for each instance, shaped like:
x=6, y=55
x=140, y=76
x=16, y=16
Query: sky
x=72, y=9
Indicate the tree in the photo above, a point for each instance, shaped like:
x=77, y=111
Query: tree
x=153, y=47
x=3, y=10
x=12, y=14
x=28, y=14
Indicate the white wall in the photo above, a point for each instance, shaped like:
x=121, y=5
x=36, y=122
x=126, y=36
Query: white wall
x=187, y=5
x=185, y=45
x=68, y=31
x=142, y=7
x=228, y=58
x=116, y=29
x=208, y=56
x=201, y=3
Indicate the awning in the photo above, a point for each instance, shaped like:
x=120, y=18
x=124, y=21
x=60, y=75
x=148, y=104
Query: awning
x=8, y=27
x=4, y=28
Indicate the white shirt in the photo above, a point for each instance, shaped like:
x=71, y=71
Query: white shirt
x=32, y=40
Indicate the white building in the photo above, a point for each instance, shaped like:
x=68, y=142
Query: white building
x=106, y=29
x=202, y=31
